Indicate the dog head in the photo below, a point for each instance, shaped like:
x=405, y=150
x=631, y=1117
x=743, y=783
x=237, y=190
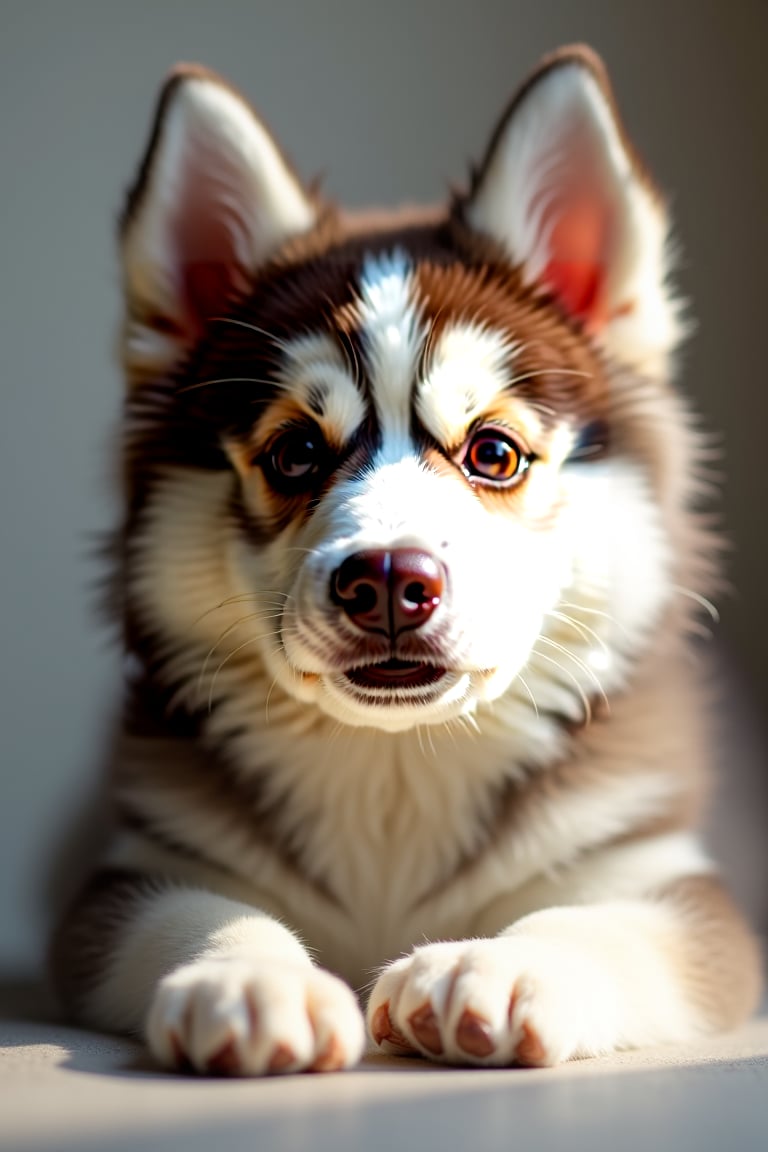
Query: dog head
x=401, y=467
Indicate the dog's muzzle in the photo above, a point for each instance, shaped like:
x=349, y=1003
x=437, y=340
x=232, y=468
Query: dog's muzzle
x=387, y=593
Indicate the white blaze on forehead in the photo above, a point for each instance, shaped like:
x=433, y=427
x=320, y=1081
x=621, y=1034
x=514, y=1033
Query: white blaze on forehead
x=315, y=373
x=393, y=337
x=469, y=367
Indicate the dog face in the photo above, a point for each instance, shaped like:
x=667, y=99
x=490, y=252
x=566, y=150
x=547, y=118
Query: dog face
x=400, y=469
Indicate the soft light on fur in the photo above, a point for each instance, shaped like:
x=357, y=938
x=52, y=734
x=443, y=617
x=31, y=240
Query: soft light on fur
x=408, y=566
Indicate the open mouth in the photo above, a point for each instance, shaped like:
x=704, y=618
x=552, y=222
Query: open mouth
x=395, y=674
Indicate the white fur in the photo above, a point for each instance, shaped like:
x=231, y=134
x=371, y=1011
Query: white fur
x=264, y=1007
x=393, y=336
x=201, y=923
x=220, y=973
x=581, y=872
x=557, y=984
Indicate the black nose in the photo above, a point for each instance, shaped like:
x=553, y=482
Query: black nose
x=388, y=591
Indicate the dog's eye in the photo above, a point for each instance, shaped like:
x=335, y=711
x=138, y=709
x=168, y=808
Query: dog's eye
x=493, y=454
x=296, y=458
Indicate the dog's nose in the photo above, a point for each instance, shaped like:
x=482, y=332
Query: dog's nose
x=388, y=591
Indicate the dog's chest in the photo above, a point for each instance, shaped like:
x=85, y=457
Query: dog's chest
x=388, y=835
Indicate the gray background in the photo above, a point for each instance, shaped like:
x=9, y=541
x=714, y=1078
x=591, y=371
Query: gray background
x=391, y=101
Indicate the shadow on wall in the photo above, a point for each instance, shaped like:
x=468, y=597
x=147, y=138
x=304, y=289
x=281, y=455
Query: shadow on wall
x=738, y=804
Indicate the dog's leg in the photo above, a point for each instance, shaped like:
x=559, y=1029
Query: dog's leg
x=217, y=985
x=575, y=981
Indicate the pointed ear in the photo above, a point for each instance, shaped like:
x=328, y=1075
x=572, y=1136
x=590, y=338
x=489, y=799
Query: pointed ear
x=214, y=199
x=564, y=194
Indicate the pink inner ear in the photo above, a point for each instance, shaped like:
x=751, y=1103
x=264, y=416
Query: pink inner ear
x=576, y=269
x=205, y=246
x=208, y=286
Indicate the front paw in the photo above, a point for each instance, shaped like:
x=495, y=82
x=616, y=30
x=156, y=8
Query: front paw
x=492, y=1002
x=250, y=1018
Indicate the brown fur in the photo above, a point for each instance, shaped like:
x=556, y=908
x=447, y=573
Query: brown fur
x=717, y=957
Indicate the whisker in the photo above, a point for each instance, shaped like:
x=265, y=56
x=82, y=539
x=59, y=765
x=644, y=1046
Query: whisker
x=269, y=697
x=454, y=722
x=226, y=632
x=707, y=605
x=528, y=690
x=255, y=595
x=426, y=352
x=586, y=452
x=578, y=662
x=584, y=631
x=593, y=612
x=242, y=598
x=281, y=344
x=345, y=340
x=471, y=720
x=546, y=372
x=463, y=722
x=353, y=361
x=579, y=689
x=450, y=733
x=335, y=734
x=420, y=739
x=231, y=380
x=251, y=640
x=539, y=407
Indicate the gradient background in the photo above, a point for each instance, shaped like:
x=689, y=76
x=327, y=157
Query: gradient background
x=391, y=101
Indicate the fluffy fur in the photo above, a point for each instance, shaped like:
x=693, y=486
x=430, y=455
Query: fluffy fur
x=409, y=560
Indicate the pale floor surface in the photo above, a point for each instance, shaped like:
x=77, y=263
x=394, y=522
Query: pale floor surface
x=67, y=1090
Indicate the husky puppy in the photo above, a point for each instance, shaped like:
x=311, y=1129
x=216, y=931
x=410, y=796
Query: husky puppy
x=409, y=559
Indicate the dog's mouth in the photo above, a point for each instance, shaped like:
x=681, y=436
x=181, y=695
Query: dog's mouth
x=395, y=674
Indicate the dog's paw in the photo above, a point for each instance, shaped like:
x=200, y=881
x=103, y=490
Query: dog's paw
x=250, y=1018
x=495, y=1002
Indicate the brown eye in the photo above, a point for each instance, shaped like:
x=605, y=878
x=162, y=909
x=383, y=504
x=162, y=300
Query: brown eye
x=296, y=459
x=493, y=454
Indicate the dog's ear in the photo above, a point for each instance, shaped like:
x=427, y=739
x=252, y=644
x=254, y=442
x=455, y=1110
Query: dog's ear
x=214, y=199
x=563, y=192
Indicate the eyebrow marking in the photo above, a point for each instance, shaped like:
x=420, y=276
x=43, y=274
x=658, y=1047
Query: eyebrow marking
x=315, y=375
x=469, y=368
